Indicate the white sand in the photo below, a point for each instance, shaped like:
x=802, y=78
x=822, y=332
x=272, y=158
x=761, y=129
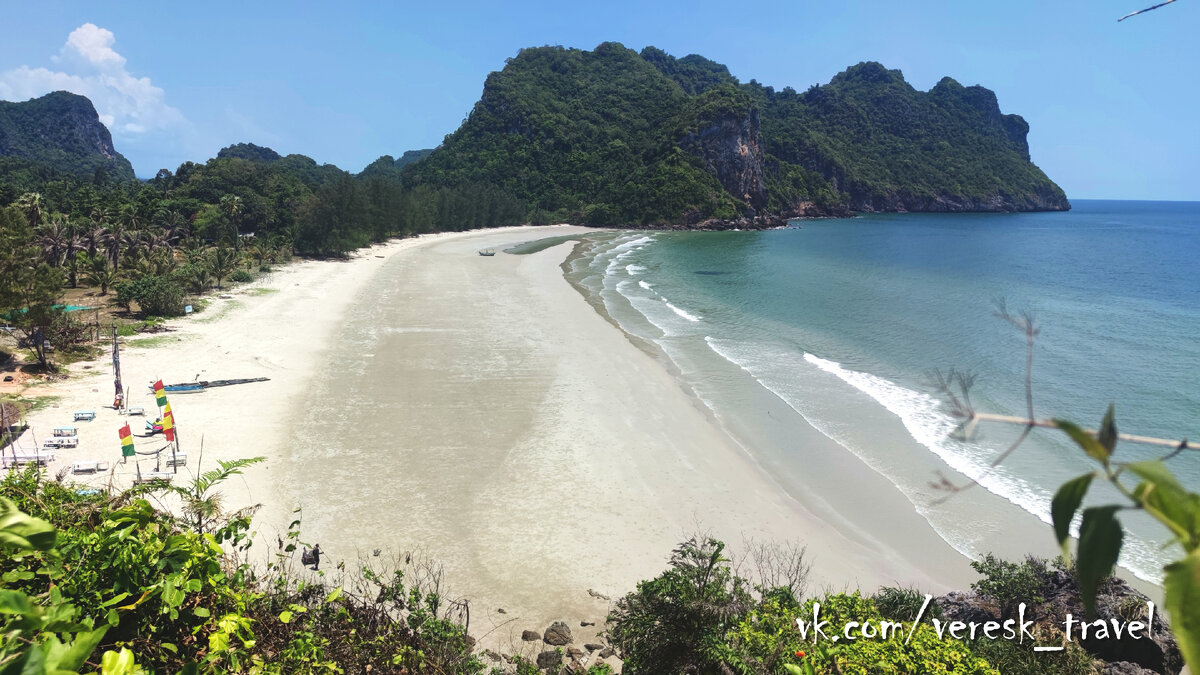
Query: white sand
x=511, y=431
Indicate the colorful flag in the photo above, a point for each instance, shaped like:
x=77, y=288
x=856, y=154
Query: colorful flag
x=168, y=424
x=160, y=394
x=126, y=441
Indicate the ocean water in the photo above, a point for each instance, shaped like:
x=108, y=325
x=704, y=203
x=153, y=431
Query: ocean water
x=840, y=323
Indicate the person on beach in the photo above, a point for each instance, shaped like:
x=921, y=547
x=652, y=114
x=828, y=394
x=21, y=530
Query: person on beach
x=311, y=557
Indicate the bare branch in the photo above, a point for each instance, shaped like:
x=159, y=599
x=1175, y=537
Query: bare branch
x=1140, y=11
x=1051, y=424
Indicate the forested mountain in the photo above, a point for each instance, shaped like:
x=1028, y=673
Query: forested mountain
x=611, y=136
x=603, y=137
x=58, y=133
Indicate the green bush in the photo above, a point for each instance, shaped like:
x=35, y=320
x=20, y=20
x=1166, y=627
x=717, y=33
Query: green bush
x=1009, y=583
x=767, y=640
x=903, y=604
x=678, y=621
x=155, y=296
x=241, y=276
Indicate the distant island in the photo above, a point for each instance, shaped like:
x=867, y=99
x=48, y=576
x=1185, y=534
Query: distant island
x=608, y=137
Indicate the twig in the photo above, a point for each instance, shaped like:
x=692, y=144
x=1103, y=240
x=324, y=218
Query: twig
x=1050, y=424
x=1140, y=11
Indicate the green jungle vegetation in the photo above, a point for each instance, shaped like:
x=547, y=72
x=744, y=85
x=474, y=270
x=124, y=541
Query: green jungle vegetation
x=92, y=581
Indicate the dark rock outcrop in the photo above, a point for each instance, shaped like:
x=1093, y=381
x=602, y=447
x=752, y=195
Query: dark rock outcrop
x=557, y=634
x=549, y=658
x=530, y=636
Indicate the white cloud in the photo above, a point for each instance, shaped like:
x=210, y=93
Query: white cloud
x=129, y=106
x=94, y=44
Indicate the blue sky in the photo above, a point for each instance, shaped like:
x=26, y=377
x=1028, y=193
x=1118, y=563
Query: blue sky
x=1112, y=106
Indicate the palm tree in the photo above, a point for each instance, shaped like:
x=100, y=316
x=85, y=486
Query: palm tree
x=100, y=216
x=133, y=242
x=200, y=279
x=96, y=239
x=74, y=246
x=232, y=207
x=259, y=252
x=101, y=273
x=222, y=262
x=194, y=251
x=31, y=204
x=52, y=239
x=174, y=224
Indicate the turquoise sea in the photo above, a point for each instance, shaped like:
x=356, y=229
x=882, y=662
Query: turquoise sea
x=838, y=324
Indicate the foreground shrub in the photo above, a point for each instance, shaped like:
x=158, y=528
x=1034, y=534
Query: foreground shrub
x=768, y=639
x=1010, y=583
x=678, y=621
x=96, y=578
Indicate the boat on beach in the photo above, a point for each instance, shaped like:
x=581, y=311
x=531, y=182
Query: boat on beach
x=201, y=385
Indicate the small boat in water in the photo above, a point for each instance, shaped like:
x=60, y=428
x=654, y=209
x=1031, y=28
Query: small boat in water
x=487, y=251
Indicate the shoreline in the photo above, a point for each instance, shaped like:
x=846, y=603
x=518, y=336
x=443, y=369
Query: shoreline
x=608, y=464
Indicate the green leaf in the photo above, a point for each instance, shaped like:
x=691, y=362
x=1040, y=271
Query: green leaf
x=1084, y=440
x=1181, y=598
x=285, y=616
x=337, y=593
x=81, y=648
x=15, y=602
x=22, y=530
x=1064, y=505
x=201, y=612
x=1108, y=431
x=1100, y=538
x=118, y=663
x=1155, y=471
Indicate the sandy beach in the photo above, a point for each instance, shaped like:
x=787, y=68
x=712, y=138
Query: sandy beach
x=423, y=397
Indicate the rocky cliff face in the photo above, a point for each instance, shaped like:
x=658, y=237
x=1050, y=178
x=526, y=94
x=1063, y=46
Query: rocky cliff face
x=731, y=149
x=61, y=130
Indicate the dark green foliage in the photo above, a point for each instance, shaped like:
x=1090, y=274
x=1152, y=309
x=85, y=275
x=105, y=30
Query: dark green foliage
x=678, y=621
x=1012, y=658
x=1010, y=583
x=904, y=604
x=155, y=295
x=561, y=129
x=250, y=152
x=103, y=578
x=241, y=276
x=693, y=73
x=596, y=137
x=60, y=131
x=887, y=145
x=29, y=287
x=411, y=156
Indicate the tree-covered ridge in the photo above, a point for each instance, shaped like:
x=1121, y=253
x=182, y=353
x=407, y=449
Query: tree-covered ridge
x=888, y=146
x=611, y=136
x=59, y=132
x=579, y=135
x=601, y=137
